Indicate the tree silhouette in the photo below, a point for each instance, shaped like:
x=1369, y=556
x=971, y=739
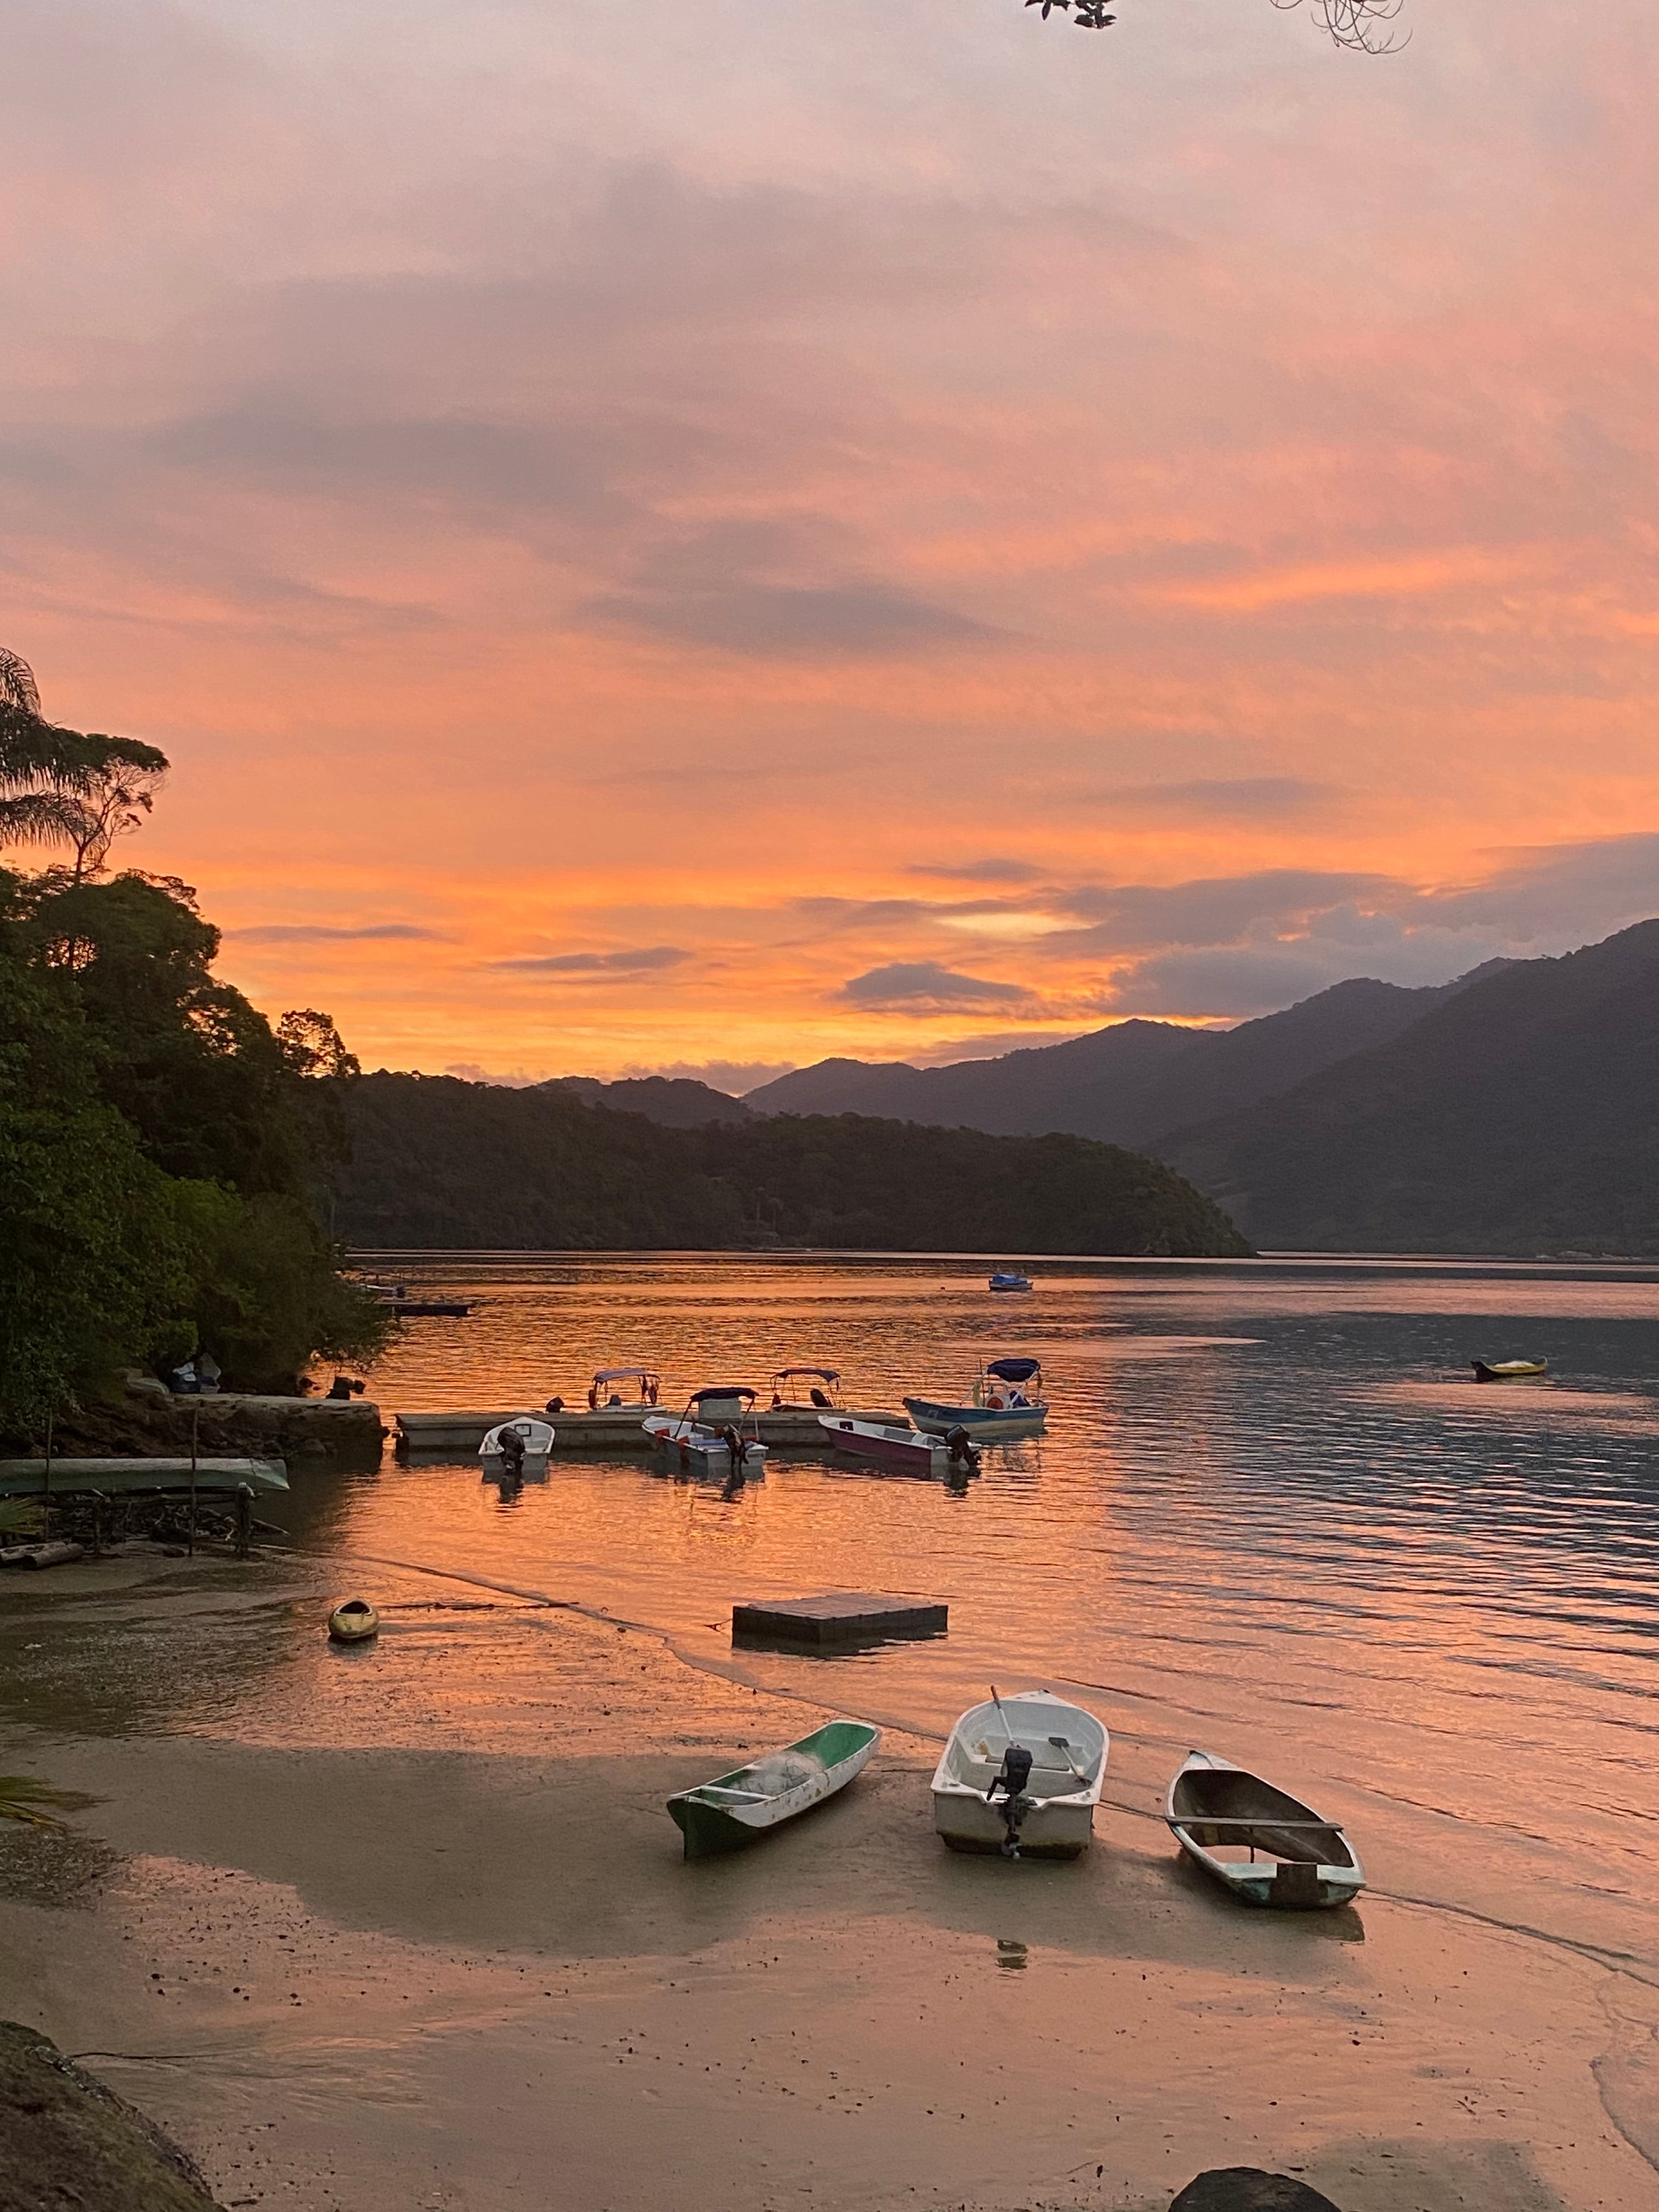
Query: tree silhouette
x=63, y=786
x=1365, y=25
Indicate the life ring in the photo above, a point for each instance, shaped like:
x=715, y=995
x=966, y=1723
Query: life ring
x=994, y=1403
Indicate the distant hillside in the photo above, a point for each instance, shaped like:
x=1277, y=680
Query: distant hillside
x=1126, y=1084
x=1520, y=1114
x=1091, y=1086
x=439, y=1162
x=675, y=1101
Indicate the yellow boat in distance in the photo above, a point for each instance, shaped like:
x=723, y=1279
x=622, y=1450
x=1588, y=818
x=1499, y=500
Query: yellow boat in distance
x=1506, y=1370
x=354, y=1622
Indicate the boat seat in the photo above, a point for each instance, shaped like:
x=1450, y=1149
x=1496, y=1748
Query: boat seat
x=734, y=1796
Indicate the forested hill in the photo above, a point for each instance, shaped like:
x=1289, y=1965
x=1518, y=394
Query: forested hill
x=439, y=1162
x=1517, y=1116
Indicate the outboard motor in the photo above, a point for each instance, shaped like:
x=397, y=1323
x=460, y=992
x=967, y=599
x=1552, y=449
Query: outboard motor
x=1012, y=1781
x=511, y=1459
x=961, y=1447
x=737, y=1451
x=554, y=1406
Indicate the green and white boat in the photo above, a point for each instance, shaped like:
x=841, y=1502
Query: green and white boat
x=737, y=1809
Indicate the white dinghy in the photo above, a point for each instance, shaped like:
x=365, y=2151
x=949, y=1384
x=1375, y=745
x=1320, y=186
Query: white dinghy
x=1257, y=1841
x=534, y=1439
x=1021, y=1775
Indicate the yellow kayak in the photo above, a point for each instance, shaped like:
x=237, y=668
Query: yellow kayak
x=354, y=1622
x=1506, y=1370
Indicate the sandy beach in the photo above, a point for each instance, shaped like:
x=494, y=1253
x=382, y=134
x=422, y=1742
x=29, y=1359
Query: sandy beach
x=412, y=1928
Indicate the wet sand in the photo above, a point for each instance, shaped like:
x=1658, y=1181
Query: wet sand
x=408, y=1927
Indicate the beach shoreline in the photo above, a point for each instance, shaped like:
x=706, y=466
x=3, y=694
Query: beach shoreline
x=387, y=1947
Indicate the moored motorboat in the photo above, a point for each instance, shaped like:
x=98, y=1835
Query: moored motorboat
x=911, y=1451
x=715, y=1435
x=1257, y=1840
x=1009, y=1278
x=1001, y=1406
x=1507, y=1370
x=604, y=1397
x=1021, y=1775
x=823, y=1386
x=354, y=1622
x=526, y=1437
x=739, y=1807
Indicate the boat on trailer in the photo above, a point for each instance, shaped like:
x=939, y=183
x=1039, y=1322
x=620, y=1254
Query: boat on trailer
x=1021, y=1775
x=740, y=1808
x=909, y=1451
x=1257, y=1840
x=1507, y=1370
x=1002, y=1404
x=716, y=1434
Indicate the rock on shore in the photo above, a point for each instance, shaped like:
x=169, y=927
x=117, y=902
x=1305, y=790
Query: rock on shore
x=70, y=2140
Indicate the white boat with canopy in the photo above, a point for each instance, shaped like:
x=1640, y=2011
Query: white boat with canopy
x=643, y=1386
x=715, y=1435
x=1021, y=1775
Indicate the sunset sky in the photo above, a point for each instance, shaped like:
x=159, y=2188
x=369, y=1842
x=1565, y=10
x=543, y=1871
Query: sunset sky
x=699, y=534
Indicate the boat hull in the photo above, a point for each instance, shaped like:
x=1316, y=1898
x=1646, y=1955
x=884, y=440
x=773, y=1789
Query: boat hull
x=353, y=1623
x=1508, y=1370
x=714, y=1818
x=909, y=1451
x=966, y=1823
x=983, y=1423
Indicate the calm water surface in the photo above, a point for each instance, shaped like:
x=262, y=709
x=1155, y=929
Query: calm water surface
x=1273, y=1515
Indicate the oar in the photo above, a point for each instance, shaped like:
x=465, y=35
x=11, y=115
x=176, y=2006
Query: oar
x=1062, y=1745
x=1001, y=1716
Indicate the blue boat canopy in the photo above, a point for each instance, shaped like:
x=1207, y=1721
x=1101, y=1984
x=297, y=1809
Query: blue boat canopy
x=1013, y=1370
x=624, y=1374
x=824, y=1374
x=722, y=1390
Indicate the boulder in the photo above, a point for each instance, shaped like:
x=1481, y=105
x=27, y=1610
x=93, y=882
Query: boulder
x=1248, y=2189
x=69, y=2140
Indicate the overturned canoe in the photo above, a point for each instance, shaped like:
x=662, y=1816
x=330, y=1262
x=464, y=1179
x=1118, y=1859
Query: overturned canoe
x=354, y=1622
x=1506, y=1370
x=737, y=1809
x=1257, y=1841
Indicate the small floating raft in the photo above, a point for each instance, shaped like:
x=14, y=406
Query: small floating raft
x=1261, y=1843
x=354, y=1622
x=1506, y=1370
x=739, y=1807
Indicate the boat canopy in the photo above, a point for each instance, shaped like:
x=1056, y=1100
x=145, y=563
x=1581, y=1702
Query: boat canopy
x=824, y=1374
x=1013, y=1370
x=722, y=1390
x=624, y=1374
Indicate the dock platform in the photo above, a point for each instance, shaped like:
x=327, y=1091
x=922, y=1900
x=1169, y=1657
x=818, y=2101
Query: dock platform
x=840, y=1620
x=576, y=1430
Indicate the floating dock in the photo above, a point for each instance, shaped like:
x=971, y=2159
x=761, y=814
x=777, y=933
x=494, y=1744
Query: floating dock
x=26, y=1477
x=840, y=1620
x=576, y=1430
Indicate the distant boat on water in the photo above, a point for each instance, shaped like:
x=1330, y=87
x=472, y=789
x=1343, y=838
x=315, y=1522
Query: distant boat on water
x=1506, y=1370
x=1009, y=1278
